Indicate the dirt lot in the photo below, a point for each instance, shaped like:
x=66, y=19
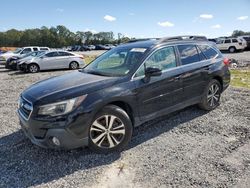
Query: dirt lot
x=189, y=148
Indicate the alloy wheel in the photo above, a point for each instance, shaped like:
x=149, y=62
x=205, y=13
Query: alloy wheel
x=107, y=131
x=213, y=96
x=33, y=68
x=73, y=65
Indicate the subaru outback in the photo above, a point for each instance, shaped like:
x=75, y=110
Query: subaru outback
x=99, y=105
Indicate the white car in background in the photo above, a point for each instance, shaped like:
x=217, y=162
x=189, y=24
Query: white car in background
x=51, y=60
x=21, y=51
x=231, y=44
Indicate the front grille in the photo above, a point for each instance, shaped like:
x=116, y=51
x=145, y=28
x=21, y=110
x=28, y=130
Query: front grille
x=25, y=108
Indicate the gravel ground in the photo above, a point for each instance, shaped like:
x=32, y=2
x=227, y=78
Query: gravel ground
x=189, y=148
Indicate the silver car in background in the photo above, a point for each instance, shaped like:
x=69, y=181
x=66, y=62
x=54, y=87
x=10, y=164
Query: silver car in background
x=50, y=60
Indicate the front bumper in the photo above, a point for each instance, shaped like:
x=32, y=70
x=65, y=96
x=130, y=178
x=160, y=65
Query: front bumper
x=41, y=133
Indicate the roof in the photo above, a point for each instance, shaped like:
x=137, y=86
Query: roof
x=148, y=43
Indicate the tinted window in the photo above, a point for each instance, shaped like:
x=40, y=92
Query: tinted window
x=162, y=59
x=235, y=40
x=35, y=49
x=51, y=54
x=228, y=41
x=65, y=54
x=201, y=54
x=44, y=49
x=208, y=51
x=188, y=54
x=26, y=50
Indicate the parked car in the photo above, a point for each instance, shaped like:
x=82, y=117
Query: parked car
x=13, y=62
x=84, y=48
x=100, y=47
x=100, y=105
x=52, y=60
x=2, y=52
x=231, y=44
x=247, y=39
x=20, y=51
x=91, y=47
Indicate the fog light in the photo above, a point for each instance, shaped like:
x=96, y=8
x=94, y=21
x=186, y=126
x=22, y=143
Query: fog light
x=56, y=141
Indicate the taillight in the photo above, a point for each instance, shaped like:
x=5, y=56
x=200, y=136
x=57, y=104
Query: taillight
x=81, y=57
x=226, y=61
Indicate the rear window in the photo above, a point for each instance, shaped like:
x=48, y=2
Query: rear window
x=235, y=40
x=209, y=52
x=188, y=54
x=44, y=49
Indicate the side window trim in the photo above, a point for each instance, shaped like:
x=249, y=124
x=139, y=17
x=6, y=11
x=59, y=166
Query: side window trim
x=150, y=54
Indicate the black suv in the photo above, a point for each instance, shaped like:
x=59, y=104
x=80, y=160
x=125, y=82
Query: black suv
x=100, y=105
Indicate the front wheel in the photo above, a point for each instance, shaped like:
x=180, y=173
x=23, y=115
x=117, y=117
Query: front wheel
x=33, y=68
x=211, y=98
x=110, y=131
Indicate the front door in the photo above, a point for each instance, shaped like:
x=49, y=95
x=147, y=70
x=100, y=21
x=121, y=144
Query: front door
x=157, y=94
x=49, y=61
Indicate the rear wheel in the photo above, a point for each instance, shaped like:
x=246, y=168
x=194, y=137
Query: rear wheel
x=211, y=98
x=110, y=131
x=73, y=65
x=33, y=68
x=232, y=49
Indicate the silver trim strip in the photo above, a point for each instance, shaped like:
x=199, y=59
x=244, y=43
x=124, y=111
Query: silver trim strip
x=31, y=109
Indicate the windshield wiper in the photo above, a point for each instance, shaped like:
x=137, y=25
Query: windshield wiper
x=94, y=72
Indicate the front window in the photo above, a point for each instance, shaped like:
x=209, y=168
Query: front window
x=162, y=59
x=116, y=62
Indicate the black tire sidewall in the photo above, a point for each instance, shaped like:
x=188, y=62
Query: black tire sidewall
x=123, y=116
x=204, y=104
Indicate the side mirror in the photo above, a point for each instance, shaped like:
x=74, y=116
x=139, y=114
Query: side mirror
x=150, y=71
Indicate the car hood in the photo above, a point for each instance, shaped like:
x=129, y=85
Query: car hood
x=66, y=86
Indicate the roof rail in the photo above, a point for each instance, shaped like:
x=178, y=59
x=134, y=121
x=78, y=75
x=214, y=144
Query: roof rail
x=142, y=39
x=184, y=37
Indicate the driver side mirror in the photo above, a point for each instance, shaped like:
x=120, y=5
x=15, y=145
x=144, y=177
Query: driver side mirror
x=150, y=71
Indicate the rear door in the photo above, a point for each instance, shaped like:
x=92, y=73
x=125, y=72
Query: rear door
x=161, y=92
x=194, y=71
x=63, y=59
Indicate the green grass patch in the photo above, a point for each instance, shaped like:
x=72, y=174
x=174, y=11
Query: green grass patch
x=240, y=78
x=88, y=59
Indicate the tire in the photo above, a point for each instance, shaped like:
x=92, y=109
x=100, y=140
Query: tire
x=33, y=68
x=73, y=65
x=212, y=94
x=105, y=137
x=232, y=49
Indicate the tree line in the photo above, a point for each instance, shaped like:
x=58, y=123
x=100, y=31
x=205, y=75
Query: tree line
x=56, y=37
x=60, y=36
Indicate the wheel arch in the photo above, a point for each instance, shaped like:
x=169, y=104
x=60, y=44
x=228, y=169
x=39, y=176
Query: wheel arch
x=126, y=107
x=219, y=79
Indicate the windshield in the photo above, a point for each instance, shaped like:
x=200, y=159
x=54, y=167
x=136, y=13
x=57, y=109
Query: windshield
x=17, y=51
x=116, y=62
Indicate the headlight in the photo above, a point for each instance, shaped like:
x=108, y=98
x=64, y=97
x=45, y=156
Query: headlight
x=61, y=108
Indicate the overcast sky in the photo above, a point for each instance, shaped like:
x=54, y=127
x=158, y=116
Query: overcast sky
x=134, y=18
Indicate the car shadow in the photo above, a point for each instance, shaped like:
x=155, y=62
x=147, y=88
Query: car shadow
x=23, y=164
